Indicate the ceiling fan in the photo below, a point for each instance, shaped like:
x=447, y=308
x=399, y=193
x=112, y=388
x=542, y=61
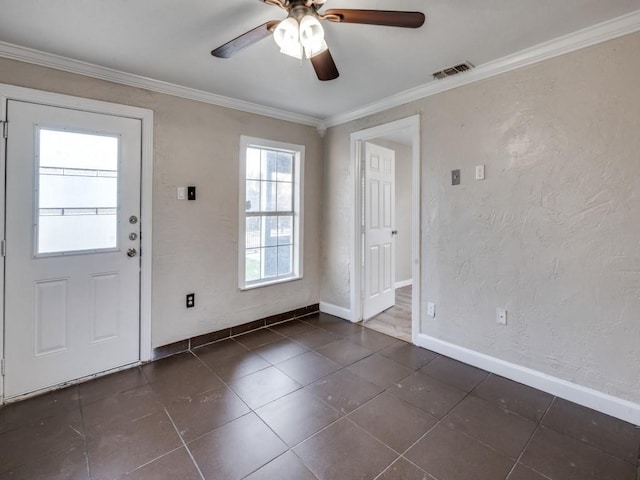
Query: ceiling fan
x=301, y=34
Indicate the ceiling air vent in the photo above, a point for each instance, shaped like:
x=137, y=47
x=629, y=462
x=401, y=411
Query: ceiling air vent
x=447, y=72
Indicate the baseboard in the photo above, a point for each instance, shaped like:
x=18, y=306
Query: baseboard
x=336, y=311
x=404, y=283
x=602, y=402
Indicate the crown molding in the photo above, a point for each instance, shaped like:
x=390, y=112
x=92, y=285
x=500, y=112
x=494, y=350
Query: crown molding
x=37, y=57
x=586, y=37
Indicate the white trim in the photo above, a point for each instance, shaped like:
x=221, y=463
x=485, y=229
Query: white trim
x=588, y=397
x=586, y=37
x=404, y=283
x=336, y=311
x=11, y=92
x=44, y=59
x=357, y=139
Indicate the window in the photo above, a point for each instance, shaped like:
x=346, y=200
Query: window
x=270, y=212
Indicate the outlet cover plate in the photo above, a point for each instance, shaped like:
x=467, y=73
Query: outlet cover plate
x=455, y=177
x=431, y=309
x=501, y=316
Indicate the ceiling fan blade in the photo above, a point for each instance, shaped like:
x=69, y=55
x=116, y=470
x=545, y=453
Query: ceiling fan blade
x=376, y=17
x=229, y=49
x=324, y=66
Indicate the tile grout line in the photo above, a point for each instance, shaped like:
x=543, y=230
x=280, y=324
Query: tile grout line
x=84, y=434
x=526, y=445
x=184, y=444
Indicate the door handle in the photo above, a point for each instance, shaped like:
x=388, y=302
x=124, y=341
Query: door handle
x=131, y=252
x=394, y=232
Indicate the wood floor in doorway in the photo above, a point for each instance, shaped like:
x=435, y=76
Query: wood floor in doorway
x=396, y=321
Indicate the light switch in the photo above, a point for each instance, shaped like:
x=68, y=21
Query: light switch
x=181, y=193
x=480, y=172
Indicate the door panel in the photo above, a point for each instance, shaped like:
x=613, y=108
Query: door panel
x=379, y=283
x=72, y=292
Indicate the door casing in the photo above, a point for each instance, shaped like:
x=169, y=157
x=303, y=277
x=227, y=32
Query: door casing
x=11, y=92
x=358, y=140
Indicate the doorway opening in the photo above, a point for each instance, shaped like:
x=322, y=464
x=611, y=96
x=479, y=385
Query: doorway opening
x=386, y=248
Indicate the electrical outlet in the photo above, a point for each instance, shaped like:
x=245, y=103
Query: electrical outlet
x=431, y=309
x=501, y=316
x=191, y=300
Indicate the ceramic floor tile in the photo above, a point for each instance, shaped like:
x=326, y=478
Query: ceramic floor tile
x=285, y=467
x=380, y=370
x=372, y=340
x=199, y=414
x=122, y=407
x=263, y=387
x=102, y=387
x=393, y=421
x=428, y=394
x=344, y=390
x=280, y=350
x=409, y=355
x=520, y=472
x=308, y=367
x=558, y=456
x=614, y=436
x=258, y=338
x=236, y=449
x=344, y=451
x=175, y=465
x=70, y=464
x=505, y=431
x=171, y=368
x=448, y=454
x=521, y=399
x=189, y=379
x=315, y=338
x=297, y=416
x=115, y=451
x=344, y=352
x=332, y=324
x=216, y=352
x=28, y=443
x=457, y=374
x=238, y=365
x=293, y=328
x=404, y=470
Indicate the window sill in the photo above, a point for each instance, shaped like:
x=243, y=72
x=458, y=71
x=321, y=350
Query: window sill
x=268, y=283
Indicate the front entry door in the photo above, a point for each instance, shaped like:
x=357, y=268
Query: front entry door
x=72, y=276
x=379, y=254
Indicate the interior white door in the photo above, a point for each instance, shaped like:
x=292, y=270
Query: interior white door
x=72, y=272
x=379, y=212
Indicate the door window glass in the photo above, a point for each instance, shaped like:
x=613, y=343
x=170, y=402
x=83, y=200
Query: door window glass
x=77, y=192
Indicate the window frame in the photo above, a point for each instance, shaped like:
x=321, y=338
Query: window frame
x=298, y=209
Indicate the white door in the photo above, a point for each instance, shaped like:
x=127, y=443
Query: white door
x=72, y=277
x=379, y=252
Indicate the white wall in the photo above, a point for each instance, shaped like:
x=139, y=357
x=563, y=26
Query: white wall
x=195, y=244
x=551, y=235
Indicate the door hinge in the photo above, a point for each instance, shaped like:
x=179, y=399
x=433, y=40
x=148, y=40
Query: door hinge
x=3, y=248
x=5, y=129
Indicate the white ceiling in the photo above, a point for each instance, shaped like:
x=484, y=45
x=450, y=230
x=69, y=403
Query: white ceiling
x=171, y=40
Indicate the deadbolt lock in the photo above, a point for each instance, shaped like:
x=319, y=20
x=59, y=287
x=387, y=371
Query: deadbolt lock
x=131, y=252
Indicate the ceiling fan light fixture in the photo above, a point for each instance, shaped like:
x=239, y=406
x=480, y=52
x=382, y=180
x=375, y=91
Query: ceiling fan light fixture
x=311, y=35
x=287, y=36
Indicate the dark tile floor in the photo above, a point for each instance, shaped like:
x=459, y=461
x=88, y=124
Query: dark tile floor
x=319, y=398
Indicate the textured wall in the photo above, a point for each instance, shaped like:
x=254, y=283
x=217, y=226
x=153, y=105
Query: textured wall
x=195, y=244
x=552, y=234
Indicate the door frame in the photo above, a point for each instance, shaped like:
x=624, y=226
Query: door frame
x=356, y=264
x=12, y=92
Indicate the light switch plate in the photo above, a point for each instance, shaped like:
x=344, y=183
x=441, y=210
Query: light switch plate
x=431, y=309
x=480, y=172
x=455, y=177
x=181, y=193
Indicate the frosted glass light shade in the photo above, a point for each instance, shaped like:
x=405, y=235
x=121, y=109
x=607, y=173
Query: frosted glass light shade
x=287, y=36
x=311, y=35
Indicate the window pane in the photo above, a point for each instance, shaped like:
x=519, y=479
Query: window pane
x=252, y=203
x=285, y=260
x=270, y=262
x=285, y=167
x=268, y=196
x=285, y=230
x=252, y=264
x=269, y=164
x=252, y=232
x=78, y=192
x=253, y=163
x=270, y=231
x=285, y=200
